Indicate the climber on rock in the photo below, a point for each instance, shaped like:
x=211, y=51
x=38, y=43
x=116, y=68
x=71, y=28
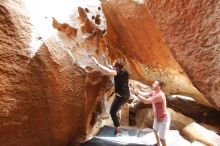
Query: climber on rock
x=157, y=98
x=122, y=92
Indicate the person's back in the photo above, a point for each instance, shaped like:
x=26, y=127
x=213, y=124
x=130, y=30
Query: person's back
x=121, y=83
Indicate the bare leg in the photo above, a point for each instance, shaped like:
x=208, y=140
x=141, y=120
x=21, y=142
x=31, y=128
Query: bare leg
x=157, y=137
x=163, y=141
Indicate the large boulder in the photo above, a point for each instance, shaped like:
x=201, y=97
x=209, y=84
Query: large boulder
x=159, y=40
x=47, y=96
x=191, y=31
x=196, y=132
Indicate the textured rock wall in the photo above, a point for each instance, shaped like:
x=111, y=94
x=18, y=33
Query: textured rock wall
x=191, y=31
x=47, y=98
x=13, y=63
x=166, y=40
x=66, y=93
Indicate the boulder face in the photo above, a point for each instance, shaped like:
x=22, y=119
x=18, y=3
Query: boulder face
x=66, y=94
x=191, y=31
x=167, y=40
x=47, y=98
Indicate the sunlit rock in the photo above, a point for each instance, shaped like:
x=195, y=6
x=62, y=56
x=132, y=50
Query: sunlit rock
x=196, y=132
x=65, y=28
